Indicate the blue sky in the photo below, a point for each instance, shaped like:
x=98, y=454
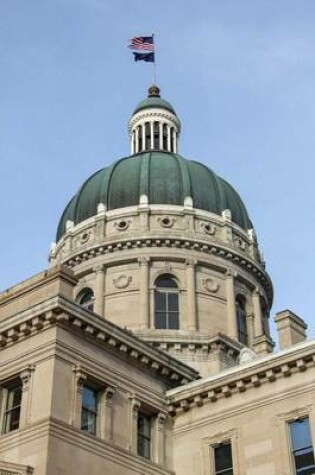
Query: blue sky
x=241, y=75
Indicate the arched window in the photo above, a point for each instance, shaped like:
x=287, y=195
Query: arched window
x=86, y=299
x=241, y=320
x=166, y=303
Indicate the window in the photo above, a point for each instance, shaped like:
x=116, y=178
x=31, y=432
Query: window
x=144, y=435
x=86, y=299
x=301, y=447
x=241, y=320
x=89, y=409
x=223, y=463
x=166, y=303
x=10, y=398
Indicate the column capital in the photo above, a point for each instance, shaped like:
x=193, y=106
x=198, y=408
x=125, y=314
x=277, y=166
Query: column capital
x=190, y=262
x=161, y=419
x=230, y=274
x=25, y=377
x=143, y=261
x=80, y=377
x=99, y=268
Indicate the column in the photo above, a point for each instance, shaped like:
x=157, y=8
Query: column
x=152, y=134
x=250, y=320
x=132, y=142
x=107, y=416
x=26, y=379
x=257, y=312
x=143, y=138
x=231, y=308
x=160, y=135
x=144, y=263
x=133, y=428
x=76, y=406
x=174, y=141
x=137, y=141
x=99, y=289
x=168, y=138
x=191, y=293
x=159, y=438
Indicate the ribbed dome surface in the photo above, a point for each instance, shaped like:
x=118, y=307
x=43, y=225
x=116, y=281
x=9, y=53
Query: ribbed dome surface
x=155, y=102
x=165, y=178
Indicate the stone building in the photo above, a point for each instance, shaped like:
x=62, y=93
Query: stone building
x=145, y=347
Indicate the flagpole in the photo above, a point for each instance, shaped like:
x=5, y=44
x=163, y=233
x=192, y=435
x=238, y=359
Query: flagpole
x=154, y=62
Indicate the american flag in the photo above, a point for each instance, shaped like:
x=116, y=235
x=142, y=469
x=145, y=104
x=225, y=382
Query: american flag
x=145, y=43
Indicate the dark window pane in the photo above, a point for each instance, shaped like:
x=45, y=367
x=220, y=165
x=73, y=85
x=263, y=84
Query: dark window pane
x=304, y=458
x=166, y=282
x=144, y=435
x=160, y=301
x=300, y=434
x=160, y=320
x=172, y=302
x=173, y=322
x=223, y=457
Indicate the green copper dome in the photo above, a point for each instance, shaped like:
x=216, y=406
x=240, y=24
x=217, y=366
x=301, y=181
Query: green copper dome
x=165, y=178
x=154, y=100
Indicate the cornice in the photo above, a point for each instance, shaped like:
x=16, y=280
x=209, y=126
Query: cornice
x=187, y=243
x=242, y=378
x=61, y=311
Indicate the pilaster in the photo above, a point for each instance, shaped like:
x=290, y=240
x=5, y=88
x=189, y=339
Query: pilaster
x=144, y=308
x=230, y=302
x=99, y=289
x=27, y=380
x=191, y=293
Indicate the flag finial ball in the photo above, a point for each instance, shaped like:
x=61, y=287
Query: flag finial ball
x=154, y=91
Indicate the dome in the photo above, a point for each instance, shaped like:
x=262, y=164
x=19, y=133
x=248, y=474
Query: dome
x=165, y=178
x=154, y=101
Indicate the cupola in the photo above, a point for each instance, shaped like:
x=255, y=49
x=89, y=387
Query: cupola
x=154, y=125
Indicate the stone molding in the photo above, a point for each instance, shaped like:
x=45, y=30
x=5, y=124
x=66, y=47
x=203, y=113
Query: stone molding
x=171, y=242
x=7, y=468
x=242, y=378
x=61, y=311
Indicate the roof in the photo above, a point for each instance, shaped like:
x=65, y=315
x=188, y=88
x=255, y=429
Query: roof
x=165, y=178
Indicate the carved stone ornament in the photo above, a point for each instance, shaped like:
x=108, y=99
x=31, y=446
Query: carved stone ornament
x=208, y=228
x=84, y=237
x=166, y=222
x=122, y=224
x=122, y=281
x=240, y=244
x=247, y=355
x=210, y=284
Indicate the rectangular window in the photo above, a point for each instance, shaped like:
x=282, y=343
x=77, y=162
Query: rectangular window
x=89, y=409
x=301, y=447
x=144, y=435
x=11, y=396
x=223, y=463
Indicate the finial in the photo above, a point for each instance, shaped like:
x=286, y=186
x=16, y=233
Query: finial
x=154, y=91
